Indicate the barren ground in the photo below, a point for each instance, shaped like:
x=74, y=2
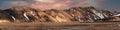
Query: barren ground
x=60, y=26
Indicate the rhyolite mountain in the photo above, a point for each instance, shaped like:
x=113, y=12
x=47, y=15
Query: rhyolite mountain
x=75, y=14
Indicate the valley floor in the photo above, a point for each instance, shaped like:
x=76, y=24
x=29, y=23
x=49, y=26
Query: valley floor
x=60, y=26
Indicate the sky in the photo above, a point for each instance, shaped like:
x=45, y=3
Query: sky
x=111, y=5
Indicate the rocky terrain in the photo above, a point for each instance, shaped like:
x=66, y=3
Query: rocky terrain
x=75, y=14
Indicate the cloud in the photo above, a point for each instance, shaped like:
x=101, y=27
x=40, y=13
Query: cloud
x=9, y=4
x=54, y=4
x=45, y=1
x=62, y=4
x=18, y=3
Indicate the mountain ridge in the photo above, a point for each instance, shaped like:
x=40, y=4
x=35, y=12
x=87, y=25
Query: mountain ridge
x=80, y=14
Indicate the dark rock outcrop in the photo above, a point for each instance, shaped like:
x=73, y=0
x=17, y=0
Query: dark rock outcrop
x=5, y=16
x=22, y=13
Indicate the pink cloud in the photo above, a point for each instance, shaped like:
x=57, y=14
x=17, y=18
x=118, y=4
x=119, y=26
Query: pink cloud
x=58, y=5
x=55, y=4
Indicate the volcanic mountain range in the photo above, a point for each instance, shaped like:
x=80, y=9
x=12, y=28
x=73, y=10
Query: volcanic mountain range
x=75, y=14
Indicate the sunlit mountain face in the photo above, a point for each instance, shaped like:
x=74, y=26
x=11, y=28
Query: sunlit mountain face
x=61, y=4
x=74, y=14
